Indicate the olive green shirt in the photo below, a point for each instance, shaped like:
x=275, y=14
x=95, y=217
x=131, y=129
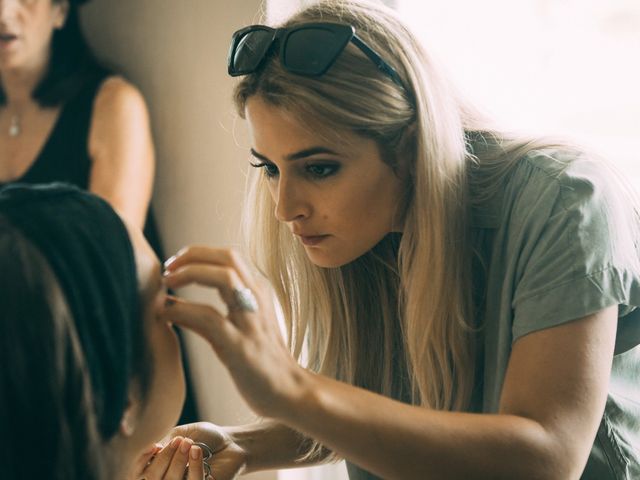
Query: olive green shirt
x=554, y=240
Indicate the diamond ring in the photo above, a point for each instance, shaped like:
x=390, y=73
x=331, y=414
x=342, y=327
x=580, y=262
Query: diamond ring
x=244, y=300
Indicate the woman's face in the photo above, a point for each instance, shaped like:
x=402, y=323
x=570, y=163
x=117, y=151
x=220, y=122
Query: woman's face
x=339, y=199
x=167, y=392
x=26, y=27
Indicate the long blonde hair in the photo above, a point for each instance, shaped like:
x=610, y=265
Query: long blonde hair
x=400, y=320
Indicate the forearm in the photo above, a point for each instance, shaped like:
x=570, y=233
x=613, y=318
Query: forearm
x=270, y=445
x=413, y=442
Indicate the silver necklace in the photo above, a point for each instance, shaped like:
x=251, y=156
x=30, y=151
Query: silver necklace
x=14, y=127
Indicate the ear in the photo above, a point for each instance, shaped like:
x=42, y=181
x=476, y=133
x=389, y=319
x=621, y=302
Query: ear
x=60, y=14
x=129, y=420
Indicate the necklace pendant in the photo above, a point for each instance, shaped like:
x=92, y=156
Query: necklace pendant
x=14, y=128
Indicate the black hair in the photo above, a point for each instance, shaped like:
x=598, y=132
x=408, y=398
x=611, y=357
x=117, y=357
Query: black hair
x=71, y=65
x=48, y=421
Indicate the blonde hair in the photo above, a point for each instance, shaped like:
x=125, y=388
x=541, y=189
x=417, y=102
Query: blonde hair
x=417, y=340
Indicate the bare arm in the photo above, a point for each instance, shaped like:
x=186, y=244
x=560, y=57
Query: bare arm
x=551, y=405
x=270, y=445
x=262, y=445
x=121, y=149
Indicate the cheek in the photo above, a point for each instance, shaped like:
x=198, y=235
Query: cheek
x=367, y=202
x=41, y=25
x=272, y=187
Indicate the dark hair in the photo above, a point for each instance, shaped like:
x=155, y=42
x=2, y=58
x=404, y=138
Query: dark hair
x=48, y=421
x=71, y=64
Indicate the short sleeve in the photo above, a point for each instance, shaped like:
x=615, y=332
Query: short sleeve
x=576, y=248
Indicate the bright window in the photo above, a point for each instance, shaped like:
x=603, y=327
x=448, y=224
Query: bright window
x=555, y=66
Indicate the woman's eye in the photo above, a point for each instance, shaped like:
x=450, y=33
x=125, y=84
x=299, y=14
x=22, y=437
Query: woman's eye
x=322, y=170
x=270, y=170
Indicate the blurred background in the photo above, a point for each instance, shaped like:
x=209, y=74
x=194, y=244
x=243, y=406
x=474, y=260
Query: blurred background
x=555, y=66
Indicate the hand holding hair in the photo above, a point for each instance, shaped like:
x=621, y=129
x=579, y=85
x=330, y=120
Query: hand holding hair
x=247, y=340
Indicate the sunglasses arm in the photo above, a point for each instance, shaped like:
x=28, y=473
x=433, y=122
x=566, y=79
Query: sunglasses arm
x=377, y=60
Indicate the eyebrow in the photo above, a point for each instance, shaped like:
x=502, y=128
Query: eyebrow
x=307, y=152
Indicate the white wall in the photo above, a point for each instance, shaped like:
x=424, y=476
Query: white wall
x=175, y=52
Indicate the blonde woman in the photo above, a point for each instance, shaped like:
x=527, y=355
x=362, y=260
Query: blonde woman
x=467, y=298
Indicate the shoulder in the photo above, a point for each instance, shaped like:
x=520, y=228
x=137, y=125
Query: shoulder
x=117, y=98
x=566, y=176
x=529, y=186
x=563, y=165
x=120, y=118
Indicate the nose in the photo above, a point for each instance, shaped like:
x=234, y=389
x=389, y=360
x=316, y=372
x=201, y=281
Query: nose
x=7, y=8
x=291, y=203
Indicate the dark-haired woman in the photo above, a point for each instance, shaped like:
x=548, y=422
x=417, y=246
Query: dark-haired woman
x=90, y=377
x=63, y=117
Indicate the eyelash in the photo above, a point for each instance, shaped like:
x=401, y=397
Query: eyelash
x=329, y=170
x=265, y=166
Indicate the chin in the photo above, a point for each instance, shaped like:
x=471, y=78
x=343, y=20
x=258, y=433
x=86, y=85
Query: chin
x=329, y=261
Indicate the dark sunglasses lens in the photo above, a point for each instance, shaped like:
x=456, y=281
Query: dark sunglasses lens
x=311, y=51
x=250, y=51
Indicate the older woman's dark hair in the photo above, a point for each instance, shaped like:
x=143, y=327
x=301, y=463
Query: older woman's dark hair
x=72, y=63
x=72, y=338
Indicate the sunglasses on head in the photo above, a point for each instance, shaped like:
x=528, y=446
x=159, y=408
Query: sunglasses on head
x=308, y=49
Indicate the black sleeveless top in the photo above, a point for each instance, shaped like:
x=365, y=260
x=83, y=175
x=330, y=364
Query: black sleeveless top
x=65, y=154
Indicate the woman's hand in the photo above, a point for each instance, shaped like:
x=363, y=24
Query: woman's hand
x=228, y=459
x=177, y=460
x=247, y=337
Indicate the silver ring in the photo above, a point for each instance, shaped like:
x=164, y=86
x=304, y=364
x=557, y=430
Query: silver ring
x=244, y=300
x=206, y=455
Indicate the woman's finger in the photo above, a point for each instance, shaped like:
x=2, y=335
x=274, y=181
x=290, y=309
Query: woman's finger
x=204, y=320
x=225, y=279
x=162, y=460
x=215, y=256
x=196, y=465
x=178, y=465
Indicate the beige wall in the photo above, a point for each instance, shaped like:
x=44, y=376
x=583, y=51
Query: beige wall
x=175, y=52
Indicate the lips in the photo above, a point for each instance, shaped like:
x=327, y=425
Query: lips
x=312, y=240
x=7, y=39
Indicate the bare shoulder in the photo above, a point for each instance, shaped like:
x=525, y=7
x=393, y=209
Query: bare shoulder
x=117, y=98
x=120, y=119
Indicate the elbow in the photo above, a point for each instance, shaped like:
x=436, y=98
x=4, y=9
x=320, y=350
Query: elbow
x=554, y=461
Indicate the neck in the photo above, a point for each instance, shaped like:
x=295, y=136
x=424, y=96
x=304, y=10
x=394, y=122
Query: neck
x=19, y=84
x=120, y=459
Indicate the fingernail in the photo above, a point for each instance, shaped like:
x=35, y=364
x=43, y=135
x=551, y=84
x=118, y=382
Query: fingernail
x=195, y=453
x=186, y=445
x=175, y=442
x=169, y=302
x=169, y=261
